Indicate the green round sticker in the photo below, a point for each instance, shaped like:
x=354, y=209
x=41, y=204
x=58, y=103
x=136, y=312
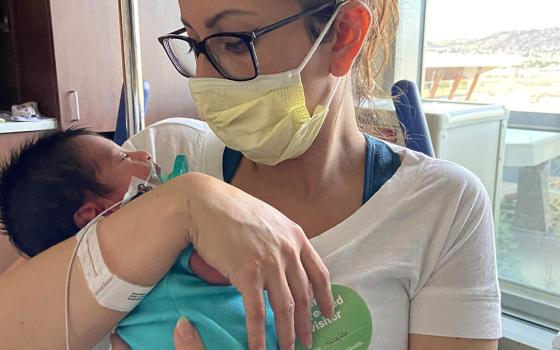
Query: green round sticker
x=350, y=328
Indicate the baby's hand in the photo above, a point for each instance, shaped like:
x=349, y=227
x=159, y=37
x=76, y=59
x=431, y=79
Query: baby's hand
x=205, y=271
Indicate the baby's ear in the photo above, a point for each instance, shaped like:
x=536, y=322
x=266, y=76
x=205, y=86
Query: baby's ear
x=87, y=212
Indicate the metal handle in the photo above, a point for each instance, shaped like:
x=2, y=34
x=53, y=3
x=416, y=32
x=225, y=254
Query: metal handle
x=76, y=112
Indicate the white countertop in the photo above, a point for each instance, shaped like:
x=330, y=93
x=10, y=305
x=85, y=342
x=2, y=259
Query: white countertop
x=13, y=127
x=531, y=147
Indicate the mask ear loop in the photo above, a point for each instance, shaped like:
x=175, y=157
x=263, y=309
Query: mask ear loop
x=69, y=273
x=316, y=46
x=333, y=92
x=318, y=41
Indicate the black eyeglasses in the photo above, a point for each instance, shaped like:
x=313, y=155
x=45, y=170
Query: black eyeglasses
x=232, y=54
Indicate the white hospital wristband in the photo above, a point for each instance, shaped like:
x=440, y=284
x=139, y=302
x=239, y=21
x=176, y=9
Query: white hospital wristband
x=109, y=290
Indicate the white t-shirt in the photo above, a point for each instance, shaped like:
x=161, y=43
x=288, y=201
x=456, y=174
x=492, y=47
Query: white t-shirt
x=420, y=252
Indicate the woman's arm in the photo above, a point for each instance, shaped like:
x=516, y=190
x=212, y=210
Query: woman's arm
x=246, y=240
x=32, y=295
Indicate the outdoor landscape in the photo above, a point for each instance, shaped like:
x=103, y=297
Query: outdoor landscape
x=533, y=85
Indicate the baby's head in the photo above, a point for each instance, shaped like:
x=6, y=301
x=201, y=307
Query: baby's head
x=52, y=187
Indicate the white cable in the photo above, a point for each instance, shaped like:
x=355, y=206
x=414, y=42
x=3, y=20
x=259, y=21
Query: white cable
x=69, y=273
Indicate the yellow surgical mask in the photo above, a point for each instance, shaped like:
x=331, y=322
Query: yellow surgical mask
x=266, y=118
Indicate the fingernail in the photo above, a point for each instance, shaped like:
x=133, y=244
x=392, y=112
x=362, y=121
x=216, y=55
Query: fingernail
x=184, y=329
x=330, y=312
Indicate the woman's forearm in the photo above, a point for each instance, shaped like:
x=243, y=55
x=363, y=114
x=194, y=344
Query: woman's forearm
x=245, y=239
x=139, y=243
x=152, y=232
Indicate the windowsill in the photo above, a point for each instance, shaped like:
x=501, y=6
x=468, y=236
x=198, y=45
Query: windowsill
x=524, y=335
x=14, y=127
x=535, y=121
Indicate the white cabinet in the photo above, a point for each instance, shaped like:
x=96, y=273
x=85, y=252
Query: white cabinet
x=473, y=136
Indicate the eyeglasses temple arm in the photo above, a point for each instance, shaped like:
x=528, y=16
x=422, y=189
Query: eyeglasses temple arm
x=260, y=31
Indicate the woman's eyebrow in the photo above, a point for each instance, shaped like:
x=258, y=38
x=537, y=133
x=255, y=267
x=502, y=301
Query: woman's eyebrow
x=211, y=23
x=186, y=23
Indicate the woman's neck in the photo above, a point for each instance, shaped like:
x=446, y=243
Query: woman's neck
x=336, y=157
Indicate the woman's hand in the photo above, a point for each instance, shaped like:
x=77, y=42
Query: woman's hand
x=258, y=248
x=186, y=337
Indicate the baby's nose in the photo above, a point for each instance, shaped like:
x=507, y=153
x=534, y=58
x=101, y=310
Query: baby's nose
x=141, y=156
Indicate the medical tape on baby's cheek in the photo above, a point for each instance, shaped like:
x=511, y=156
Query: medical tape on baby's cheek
x=109, y=290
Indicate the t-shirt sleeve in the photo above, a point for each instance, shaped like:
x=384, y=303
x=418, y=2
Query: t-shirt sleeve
x=460, y=296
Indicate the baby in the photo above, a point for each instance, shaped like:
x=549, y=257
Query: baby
x=53, y=187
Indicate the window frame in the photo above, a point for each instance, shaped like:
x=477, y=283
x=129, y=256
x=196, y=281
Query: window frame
x=530, y=304
x=540, y=121
x=523, y=302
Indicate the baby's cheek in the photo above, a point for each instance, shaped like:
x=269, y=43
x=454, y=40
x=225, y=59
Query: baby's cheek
x=205, y=271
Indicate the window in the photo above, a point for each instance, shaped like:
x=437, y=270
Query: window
x=508, y=52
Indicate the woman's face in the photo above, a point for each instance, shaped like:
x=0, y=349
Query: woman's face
x=278, y=51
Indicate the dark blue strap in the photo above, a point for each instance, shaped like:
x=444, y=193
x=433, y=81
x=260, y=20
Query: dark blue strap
x=230, y=163
x=408, y=106
x=381, y=165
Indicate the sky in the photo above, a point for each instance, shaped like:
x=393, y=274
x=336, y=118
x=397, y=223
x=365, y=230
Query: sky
x=470, y=19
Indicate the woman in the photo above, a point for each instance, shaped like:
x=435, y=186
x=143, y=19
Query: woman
x=413, y=236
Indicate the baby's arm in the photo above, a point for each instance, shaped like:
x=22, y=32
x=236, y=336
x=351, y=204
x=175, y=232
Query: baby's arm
x=205, y=271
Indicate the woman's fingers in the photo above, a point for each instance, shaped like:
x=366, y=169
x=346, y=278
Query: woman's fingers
x=282, y=303
x=302, y=294
x=186, y=337
x=253, y=300
x=320, y=279
x=235, y=230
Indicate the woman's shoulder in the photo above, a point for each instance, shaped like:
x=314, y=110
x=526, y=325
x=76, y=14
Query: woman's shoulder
x=426, y=174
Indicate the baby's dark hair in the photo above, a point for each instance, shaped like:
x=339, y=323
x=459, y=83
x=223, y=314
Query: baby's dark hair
x=42, y=185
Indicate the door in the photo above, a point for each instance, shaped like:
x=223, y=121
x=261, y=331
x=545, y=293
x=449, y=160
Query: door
x=86, y=36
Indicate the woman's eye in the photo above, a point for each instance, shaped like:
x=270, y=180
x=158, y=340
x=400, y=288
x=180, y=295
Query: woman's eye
x=237, y=47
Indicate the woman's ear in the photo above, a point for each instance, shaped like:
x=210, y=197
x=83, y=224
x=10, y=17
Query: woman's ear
x=352, y=28
x=87, y=212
